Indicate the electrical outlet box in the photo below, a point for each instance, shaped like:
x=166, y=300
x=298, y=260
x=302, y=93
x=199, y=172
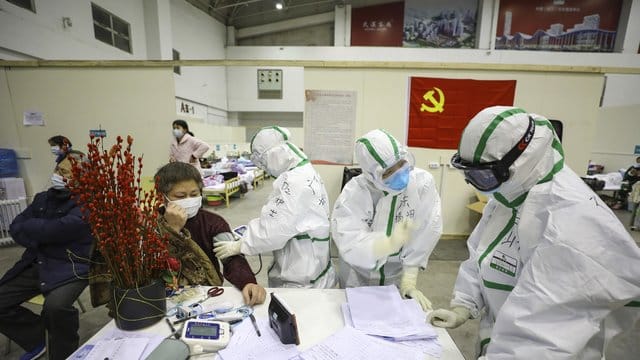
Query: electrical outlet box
x=269, y=84
x=269, y=79
x=433, y=165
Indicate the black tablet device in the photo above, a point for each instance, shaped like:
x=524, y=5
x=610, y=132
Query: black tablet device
x=283, y=321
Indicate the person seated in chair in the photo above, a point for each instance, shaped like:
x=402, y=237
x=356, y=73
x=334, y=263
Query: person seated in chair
x=192, y=231
x=58, y=241
x=630, y=177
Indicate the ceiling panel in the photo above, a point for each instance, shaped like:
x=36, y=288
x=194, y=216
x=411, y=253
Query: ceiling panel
x=247, y=13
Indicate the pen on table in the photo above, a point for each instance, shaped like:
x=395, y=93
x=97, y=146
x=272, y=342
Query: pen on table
x=255, y=325
x=173, y=330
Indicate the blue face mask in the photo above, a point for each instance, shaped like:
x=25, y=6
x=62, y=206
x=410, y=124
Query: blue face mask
x=399, y=180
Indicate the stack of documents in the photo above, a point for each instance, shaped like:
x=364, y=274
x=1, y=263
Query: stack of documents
x=119, y=344
x=381, y=312
x=245, y=344
x=352, y=344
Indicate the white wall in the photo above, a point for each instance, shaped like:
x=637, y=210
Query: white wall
x=198, y=36
x=41, y=34
x=444, y=57
x=617, y=134
x=136, y=102
x=242, y=89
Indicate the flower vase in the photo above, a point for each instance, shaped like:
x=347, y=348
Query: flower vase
x=139, y=307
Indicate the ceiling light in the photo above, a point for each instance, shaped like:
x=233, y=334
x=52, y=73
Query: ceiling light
x=279, y=5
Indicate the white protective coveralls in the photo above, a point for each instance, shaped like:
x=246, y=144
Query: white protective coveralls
x=294, y=223
x=549, y=261
x=366, y=210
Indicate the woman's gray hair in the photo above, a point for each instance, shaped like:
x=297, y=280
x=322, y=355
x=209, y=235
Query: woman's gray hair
x=172, y=173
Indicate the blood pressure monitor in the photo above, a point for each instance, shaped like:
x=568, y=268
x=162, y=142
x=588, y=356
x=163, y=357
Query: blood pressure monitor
x=205, y=336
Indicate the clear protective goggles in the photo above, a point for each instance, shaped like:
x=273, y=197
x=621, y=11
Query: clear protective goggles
x=398, y=167
x=489, y=176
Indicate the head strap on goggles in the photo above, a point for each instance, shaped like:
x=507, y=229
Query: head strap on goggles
x=477, y=174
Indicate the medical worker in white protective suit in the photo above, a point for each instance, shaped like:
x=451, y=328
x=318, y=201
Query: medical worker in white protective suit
x=549, y=263
x=294, y=223
x=387, y=220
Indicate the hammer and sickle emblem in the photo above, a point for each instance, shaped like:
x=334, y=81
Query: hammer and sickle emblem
x=437, y=105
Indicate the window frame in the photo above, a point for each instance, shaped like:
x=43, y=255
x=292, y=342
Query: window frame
x=114, y=34
x=175, y=55
x=32, y=8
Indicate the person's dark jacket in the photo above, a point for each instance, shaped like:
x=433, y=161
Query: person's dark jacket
x=57, y=240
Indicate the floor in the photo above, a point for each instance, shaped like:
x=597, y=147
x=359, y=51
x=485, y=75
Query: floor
x=436, y=283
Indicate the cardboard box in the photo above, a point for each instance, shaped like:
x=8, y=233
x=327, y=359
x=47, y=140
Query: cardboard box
x=478, y=206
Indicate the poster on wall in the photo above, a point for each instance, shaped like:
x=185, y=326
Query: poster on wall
x=439, y=109
x=378, y=25
x=440, y=23
x=329, y=126
x=558, y=25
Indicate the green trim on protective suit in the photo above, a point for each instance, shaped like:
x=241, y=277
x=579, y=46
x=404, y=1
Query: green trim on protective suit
x=555, y=145
x=498, y=238
x=484, y=343
x=307, y=237
x=296, y=151
x=510, y=204
x=372, y=151
x=482, y=144
x=394, y=144
x=323, y=271
x=496, y=286
x=392, y=211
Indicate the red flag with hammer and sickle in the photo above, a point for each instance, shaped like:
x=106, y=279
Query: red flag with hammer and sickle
x=439, y=109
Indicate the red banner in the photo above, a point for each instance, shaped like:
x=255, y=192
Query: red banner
x=378, y=25
x=439, y=109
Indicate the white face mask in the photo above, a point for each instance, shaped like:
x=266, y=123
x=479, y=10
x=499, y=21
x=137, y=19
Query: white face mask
x=55, y=150
x=177, y=133
x=57, y=182
x=191, y=205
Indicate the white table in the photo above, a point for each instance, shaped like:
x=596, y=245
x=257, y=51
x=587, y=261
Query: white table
x=318, y=315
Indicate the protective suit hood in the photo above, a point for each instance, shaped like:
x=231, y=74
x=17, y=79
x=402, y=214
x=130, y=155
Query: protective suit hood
x=496, y=130
x=376, y=151
x=270, y=148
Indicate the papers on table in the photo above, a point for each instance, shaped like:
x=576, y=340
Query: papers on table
x=245, y=344
x=380, y=311
x=353, y=344
x=119, y=344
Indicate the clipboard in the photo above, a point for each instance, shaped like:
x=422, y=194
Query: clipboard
x=283, y=321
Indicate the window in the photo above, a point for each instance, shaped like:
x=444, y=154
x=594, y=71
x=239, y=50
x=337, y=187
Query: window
x=110, y=29
x=176, y=56
x=25, y=4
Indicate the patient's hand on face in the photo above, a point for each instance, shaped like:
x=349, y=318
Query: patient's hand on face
x=175, y=216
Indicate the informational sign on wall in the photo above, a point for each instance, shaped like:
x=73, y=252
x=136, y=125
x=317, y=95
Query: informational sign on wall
x=378, y=25
x=329, y=126
x=557, y=25
x=440, y=23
